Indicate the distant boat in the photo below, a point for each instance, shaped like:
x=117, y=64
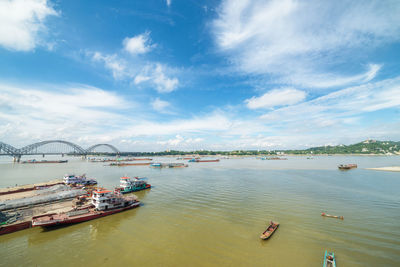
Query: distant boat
x=176, y=165
x=347, y=166
x=122, y=164
x=168, y=165
x=33, y=161
x=206, y=160
x=331, y=216
x=273, y=158
x=156, y=165
x=329, y=259
x=270, y=230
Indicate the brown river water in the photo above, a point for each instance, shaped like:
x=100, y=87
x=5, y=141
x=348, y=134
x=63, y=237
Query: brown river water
x=211, y=214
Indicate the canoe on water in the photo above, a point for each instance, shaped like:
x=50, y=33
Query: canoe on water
x=270, y=230
x=329, y=259
x=331, y=216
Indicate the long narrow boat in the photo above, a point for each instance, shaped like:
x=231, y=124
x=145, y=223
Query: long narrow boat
x=33, y=161
x=323, y=214
x=205, y=160
x=273, y=158
x=329, y=259
x=270, y=230
x=122, y=164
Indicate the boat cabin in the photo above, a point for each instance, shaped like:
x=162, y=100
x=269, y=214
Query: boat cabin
x=106, y=199
x=72, y=179
x=134, y=182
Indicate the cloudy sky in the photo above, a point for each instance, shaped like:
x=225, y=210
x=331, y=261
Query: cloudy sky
x=199, y=74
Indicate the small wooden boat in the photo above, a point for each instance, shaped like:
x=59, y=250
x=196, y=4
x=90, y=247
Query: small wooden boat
x=347, y=166
x=331, y=216
x=329, y=259
x=270, y=230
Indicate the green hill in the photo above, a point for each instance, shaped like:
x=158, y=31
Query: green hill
x=365, y=147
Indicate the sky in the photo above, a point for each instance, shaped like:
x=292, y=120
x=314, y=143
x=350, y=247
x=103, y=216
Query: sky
x=199, y=74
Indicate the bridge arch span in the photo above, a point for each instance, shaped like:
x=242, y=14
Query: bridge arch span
x=7, y=149
x=92, y=148
x=27, y=149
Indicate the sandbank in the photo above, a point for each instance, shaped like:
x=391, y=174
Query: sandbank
x=388, y=169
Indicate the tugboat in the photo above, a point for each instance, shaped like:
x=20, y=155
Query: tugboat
x=71, y=179
x=104, y=203
x=129, y=185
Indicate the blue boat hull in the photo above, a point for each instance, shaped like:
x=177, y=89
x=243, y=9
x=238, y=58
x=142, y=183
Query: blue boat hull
x=135, y=189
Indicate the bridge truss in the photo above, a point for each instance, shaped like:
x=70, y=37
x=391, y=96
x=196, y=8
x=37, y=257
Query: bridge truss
x=50, y=147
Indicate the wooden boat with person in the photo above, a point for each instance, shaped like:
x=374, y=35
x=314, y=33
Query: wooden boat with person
x=323, y=214
x=347, y=166
x=329, y=259
x=270, y=230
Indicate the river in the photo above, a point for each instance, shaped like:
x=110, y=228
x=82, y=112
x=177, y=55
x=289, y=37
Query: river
x=211, y=214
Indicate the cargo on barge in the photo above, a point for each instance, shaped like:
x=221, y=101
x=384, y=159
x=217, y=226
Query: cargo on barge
x=105, y=202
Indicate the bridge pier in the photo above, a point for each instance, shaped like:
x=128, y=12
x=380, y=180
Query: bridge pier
x=17, y=158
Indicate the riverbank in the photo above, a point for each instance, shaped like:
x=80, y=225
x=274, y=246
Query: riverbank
x=388, y=169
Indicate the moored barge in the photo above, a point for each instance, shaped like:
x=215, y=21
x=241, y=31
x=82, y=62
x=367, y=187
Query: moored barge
x=34, y=161
x=104, y=202
x=204, y=160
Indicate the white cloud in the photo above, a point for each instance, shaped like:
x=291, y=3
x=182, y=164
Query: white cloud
x=88, y=115
x=151, y=74
x=169, y=2
x=180, y=142
x=155, y=74
x=164, y=84
x=140, y=79
x=160, y=105
x=276, y=97
x=338, y=106
x=112, y=62
x=22, y=22
x=63, y=113
x=139, y=44
x=326, y=80
x=302, y=42
x=172, y=142
x=208, y=123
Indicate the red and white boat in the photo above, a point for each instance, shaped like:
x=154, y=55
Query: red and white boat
x=104, y=203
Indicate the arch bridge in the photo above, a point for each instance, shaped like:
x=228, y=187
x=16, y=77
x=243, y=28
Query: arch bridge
x=53, y=147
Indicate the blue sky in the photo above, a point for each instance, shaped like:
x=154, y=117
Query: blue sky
x=231, y=74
